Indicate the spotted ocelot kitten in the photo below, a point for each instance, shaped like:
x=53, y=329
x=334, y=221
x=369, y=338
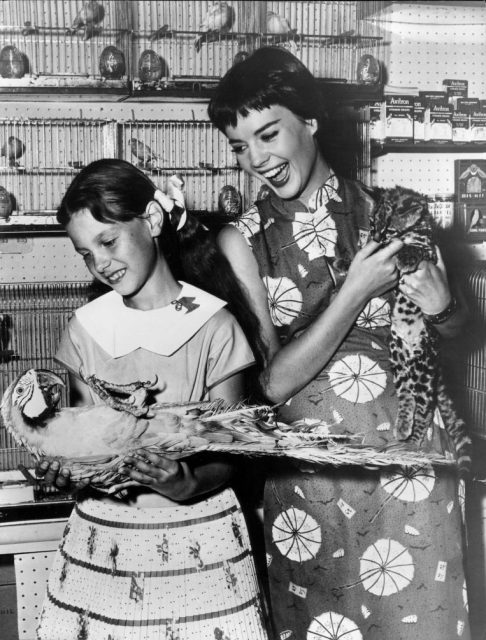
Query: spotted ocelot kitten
x=414, y=349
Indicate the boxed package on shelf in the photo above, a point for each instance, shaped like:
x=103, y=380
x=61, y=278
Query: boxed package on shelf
x=455, y=89
x=377, y=128
x=399, y=119
x=418, y=119
x=470, y=191
x=440, y=123
x=430, y=99
x=461, y=130
x=478, y=125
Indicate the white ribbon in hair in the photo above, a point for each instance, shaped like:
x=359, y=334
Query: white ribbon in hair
x=174, y=196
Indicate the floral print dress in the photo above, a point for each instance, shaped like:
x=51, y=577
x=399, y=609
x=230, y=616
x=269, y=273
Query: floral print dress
x=352, y=553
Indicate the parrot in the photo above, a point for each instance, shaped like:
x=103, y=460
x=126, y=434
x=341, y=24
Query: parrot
x=13, y=150
x=87, y=18
x=219, y=20
x=229, y=201
x=144, y=154
x=162, y=32
x=87, y=438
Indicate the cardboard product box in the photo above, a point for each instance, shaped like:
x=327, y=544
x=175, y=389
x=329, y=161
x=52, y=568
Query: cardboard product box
x=8, y=599
x=440, y=123
x=378, y=122
x=455, y=89
x=418, y=119
x=478, y=126
x=471, y=218
x=461, y=131
x=468, y=104
x=399, y=119
x=431, y=98
x=470, y=180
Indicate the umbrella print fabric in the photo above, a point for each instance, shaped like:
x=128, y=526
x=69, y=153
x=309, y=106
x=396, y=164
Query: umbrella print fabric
x=315, y=233
x=410, y=484
x=375, y=314
x=296, y=535
x=333, y=626
x=386, y=567
x=357, y=378
x=284, y=300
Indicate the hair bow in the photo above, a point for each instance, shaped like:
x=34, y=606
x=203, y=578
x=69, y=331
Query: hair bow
x=174, y=196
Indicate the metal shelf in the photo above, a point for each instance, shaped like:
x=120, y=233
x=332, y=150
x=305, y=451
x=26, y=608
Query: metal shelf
x=427, y=147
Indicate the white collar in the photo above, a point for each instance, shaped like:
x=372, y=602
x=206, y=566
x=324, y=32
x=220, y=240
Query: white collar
x=119, y=330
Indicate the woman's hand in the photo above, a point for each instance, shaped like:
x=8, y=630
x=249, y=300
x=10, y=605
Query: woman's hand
x=52, y=474
x=373, y=270
x=428, y=286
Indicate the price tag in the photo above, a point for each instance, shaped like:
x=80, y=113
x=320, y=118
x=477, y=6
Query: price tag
x=346, y=508
x=298, y=591
x=440, y=574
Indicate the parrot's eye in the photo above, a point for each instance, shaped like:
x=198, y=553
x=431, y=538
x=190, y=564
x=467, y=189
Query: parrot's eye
x=19, y=390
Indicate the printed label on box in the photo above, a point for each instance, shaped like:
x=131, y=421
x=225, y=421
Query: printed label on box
x=478, y=126
x=460, y=127
x=470, y=179
x=440, y=123
x=377, y=121
x=399, y=118
x=418, y=120
x=455, y=89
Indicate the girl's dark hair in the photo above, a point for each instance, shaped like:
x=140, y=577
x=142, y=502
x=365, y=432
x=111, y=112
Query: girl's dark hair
x=274, y=76
x=117, y=191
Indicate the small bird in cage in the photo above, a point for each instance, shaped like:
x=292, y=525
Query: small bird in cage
x=219, y=20
x=13, y=62
x=278, y=25
x=29, y=29
x=229, y=202
x=87, y=19
x=6, y=205
x=162, y=32
x=147, y=159
x=13, y=150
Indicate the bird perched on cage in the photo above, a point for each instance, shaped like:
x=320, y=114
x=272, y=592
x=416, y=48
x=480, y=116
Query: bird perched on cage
x=229, y=202
x=84, y=438
x=162, y=32
x=87, y=19
x=147, y=159
x=13, y=150
x=6, y=206
x=278, y=25
x=219, y=20
x=29, y=29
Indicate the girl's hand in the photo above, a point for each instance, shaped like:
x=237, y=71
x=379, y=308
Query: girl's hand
x=165, y=476
x=373, y=270
x=428, y=287
x=53, y=474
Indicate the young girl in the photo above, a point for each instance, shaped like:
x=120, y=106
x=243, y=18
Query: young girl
x=352, y=553
x=172, y=558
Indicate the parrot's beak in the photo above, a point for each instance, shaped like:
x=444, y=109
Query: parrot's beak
x=49, y=383
x=37, y=394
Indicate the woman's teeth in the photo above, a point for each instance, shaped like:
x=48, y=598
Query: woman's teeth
x=278, y=175
x=117, y=276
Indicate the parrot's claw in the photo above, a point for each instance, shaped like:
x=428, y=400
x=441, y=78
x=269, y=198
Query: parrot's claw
x=131, y=398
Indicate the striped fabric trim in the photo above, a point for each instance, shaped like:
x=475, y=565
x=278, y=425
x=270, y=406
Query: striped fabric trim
x=152, y=622
x=155, y=525
x=150, y=574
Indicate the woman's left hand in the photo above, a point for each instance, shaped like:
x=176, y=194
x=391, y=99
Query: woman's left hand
x=428, y=286
x=165, y=476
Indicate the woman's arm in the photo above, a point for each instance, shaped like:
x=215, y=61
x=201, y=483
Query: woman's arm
x=289, y=368
x=182, y=480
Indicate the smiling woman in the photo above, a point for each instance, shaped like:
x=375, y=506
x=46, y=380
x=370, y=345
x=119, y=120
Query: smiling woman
x=323, y=288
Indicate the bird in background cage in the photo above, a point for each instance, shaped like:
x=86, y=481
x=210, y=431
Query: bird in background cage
x=229, y=202
x=219, y=20
x=278, y=25
x=87, y=19
x=13, y=150
x=147, y=159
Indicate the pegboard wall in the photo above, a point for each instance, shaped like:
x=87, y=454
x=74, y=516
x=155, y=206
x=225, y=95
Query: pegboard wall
x=31, y=575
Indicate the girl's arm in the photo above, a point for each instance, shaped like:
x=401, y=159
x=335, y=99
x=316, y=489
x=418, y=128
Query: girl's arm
x=289, y=368
x=182, y=480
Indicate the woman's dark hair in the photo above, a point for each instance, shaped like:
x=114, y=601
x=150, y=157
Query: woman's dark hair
x=269, y=76
x=117, y=191
x=274, y=76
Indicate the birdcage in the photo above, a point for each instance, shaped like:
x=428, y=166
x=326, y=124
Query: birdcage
x=195, y=42
x=64, y=44
x=183, y=147
x=39, y=158
x=32, y=319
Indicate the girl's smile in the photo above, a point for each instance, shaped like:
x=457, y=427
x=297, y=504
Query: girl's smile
x=279, y=148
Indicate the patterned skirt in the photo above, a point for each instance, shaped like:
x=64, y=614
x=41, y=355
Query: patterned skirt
x=182, y=573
